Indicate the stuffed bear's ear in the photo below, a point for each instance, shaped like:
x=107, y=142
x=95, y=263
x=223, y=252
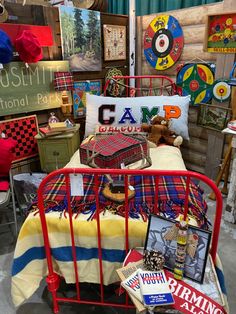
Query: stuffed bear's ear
x=146, y=128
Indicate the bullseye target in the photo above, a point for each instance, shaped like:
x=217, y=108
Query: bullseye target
x=163, y=42
x=221, y=90
x=196, y=80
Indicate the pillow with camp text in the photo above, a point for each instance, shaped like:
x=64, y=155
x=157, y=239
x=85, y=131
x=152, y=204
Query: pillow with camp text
x=133, y=111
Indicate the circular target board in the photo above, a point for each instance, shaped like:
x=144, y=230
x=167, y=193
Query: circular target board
x=221, y=90
x=163, y=42
x=196, y=80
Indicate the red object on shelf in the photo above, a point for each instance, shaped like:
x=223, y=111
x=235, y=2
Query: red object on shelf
x=43, y=33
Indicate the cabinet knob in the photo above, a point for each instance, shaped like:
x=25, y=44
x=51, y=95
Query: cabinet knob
x=56, y=153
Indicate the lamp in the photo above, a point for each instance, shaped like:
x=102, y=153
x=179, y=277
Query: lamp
x=63, y=82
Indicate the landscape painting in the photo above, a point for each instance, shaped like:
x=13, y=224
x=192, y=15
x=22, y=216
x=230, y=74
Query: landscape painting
x=81, y=38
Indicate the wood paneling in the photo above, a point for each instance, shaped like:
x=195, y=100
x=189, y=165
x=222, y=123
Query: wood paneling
x=198, y=152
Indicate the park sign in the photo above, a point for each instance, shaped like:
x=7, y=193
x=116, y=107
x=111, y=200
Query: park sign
x=25, y=89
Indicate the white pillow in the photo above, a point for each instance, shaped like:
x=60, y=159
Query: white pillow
x=134, y=111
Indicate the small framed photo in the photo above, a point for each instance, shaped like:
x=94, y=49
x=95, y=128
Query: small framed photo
x=161, y=237
x=114, y=42
x=220, y=33
x=213, y=117
x=79, y=95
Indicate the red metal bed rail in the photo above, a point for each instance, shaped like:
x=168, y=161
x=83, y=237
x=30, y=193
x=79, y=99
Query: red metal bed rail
x=166, y=84
x=53, y=278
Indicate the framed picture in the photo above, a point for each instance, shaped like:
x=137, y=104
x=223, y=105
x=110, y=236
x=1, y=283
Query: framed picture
x=213, y=117
x=158, y=238
x=81, y=38
x=114, y=42
x=220, y=33
x=79, y=95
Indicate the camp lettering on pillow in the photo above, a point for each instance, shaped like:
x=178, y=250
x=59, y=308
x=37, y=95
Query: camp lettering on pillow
x=133, y=111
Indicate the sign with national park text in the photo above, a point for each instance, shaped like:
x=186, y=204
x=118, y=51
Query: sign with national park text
x=26, y=89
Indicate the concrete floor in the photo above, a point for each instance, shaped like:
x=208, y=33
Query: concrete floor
x=40, y=302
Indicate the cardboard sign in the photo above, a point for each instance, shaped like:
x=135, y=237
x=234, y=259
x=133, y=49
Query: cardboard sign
x=29, y=89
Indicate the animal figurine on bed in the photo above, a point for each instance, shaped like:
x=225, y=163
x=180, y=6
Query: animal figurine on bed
x=159, y=132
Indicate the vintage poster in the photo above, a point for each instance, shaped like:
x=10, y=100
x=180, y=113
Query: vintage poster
x=114, y=42
x=79, y=95
x=81, y=38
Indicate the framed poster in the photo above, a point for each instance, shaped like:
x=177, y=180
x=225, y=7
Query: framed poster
x=81, y=38
x=114, y=42
x=159, y=238
x=79, y=95
x=213, y=117
x=220, y=33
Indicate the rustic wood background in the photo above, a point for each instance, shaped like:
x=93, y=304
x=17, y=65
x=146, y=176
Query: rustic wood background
x=203, y=153
x=47, y=15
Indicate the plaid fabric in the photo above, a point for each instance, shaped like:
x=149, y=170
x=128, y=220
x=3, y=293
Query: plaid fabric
x=114, y=150
x=170, y=195
x=63, y=81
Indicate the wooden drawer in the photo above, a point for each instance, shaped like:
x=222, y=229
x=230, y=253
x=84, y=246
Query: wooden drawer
x=55, y=151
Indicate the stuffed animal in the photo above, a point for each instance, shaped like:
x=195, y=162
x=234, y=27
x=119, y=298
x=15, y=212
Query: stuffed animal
x=159, y=132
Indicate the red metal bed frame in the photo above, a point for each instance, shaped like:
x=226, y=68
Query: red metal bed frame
x=53, y=279
x=166, y=84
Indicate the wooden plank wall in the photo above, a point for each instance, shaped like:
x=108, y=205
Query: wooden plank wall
x=45, y=15
x=192, y=21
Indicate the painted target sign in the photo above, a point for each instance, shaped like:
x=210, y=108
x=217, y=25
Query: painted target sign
x=196, y=80
x=221, y=90
x=163, y=42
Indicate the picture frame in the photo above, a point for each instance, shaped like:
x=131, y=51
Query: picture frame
x=79, y=95
x=220, y=33
x=81, y=38
x=114, y=42
x=213, y=117
x=158, y=227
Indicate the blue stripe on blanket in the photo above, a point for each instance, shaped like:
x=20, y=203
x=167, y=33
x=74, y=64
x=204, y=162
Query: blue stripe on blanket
x=221, y=279
x=64, y=254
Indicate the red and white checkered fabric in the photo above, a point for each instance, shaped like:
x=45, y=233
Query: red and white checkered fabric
x=113, y=150
x=63, y=81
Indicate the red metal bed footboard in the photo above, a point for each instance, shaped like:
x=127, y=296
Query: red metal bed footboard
x=53, y=279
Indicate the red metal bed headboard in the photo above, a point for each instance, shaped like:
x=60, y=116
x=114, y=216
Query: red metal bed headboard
x=53, y=278
x=140, y=85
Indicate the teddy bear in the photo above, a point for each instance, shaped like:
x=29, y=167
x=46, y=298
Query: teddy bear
x=159, y=132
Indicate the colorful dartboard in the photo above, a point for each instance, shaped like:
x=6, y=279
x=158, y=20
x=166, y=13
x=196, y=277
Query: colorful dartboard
x=163, y=42
x=221, y=90
x=196, y=80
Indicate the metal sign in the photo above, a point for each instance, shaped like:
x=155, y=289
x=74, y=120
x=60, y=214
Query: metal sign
x=25, y=89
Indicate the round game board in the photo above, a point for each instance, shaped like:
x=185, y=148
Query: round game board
x=163, y=42
x=196, y=80
x=221, y=90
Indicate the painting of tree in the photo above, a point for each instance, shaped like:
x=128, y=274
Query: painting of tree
x=81, y=38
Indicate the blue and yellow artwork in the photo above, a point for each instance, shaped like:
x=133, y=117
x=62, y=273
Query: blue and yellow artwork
x=79, y=95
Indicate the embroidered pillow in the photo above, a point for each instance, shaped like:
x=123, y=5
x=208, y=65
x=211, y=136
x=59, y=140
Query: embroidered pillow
x=124, y=112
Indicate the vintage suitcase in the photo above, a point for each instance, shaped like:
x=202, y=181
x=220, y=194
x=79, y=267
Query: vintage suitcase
x=112, y=150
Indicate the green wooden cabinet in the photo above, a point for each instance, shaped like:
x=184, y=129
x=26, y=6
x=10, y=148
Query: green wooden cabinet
x=56, y=151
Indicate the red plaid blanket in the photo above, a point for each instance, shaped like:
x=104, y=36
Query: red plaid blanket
x=171, y=196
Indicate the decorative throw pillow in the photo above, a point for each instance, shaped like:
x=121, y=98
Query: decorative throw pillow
x=123, y=112
x=7, y=146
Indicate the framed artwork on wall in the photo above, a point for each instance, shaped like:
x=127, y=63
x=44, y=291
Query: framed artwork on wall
x=160, y=238
x=114, y=42
x=213, y=117
x=220, y=33
x=79, y=95
x=81, y=38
